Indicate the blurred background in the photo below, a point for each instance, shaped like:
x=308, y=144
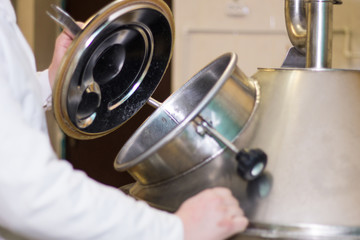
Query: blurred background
x=204, y=29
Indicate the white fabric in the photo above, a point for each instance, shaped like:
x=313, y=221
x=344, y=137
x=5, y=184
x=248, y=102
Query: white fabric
x=45, y=87
x=42, y=197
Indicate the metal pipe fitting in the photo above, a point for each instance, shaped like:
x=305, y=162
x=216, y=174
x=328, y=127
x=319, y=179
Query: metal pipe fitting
x=319, y=33
x=309, y=26
x=296, y=24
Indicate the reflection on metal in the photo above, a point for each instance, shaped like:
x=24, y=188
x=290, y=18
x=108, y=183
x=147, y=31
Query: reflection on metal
x=65, y=20
x=260, y=188
x=319, y=34
x=296, y=24
x=294, y=59
x=154, y=103
x=299, y=232
x=303, y=118
x=312, y=156
x=311, y=139
x=167, y=145
x=148, y=54
x=309, y=26
x=112, y=67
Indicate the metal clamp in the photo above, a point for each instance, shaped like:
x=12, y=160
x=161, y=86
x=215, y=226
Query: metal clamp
x=251, y=162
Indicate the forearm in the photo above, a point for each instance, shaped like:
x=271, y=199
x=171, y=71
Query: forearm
x=44, y=198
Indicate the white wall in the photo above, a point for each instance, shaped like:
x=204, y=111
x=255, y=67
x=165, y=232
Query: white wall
x=254, y=29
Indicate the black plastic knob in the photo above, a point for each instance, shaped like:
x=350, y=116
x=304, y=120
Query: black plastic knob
x=251, y=163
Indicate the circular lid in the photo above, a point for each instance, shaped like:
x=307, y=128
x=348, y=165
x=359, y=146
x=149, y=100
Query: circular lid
x=112, y=67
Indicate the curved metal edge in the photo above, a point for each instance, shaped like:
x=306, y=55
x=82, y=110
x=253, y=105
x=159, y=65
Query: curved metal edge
x=232, y=67
x=181, y=126
x=307, y=69
x=142, y=75
x=302, y=231
x=296, y=24
x=206, y=161
x=63, y=81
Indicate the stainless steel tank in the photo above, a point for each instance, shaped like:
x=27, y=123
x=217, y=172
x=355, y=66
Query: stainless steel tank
x=220, y=127
x=304, y=118
x=306, y=123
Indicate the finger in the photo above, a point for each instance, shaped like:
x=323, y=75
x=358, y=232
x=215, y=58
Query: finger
x=234, y=225
x=67, y=34
x=222, y=191
x=230, y=202
x=226, y=196
x=240, y=223
x=231, y=211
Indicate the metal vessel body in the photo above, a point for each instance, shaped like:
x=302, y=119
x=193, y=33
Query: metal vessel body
x=306, y=121
x=308, y=124
x=309, y=128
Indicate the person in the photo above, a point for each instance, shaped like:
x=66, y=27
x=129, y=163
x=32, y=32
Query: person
x=42, y=197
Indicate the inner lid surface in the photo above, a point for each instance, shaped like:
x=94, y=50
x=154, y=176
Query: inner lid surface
x=109, y=74
x=113, y=67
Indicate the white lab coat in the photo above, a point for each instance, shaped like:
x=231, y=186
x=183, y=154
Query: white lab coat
x=42, y=197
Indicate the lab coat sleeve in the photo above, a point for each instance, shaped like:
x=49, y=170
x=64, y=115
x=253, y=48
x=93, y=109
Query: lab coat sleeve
x=45, y=88
x=44, y=198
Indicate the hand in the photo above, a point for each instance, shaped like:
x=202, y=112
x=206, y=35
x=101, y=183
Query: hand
x=212, y=214
x=62, y=43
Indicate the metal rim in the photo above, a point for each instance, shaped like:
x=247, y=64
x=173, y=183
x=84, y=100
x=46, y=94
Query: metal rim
x=302, y=231
x=181, y=126
x=93, y=28
x=307, y=69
